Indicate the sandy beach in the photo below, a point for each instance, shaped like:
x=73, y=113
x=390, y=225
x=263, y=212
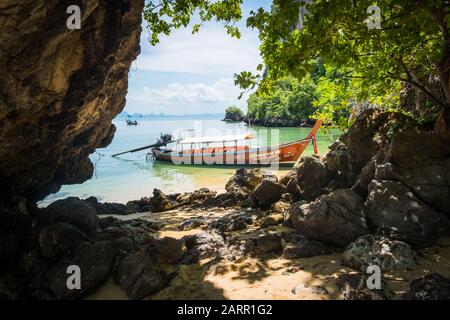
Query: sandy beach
x=265, y=279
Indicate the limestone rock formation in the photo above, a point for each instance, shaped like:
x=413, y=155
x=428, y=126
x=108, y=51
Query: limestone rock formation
x=336, y=218
x=61, y=88
x=268, y=192
x=307, y=181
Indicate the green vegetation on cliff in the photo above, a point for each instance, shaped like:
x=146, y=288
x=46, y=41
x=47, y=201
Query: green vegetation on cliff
x=233, y=114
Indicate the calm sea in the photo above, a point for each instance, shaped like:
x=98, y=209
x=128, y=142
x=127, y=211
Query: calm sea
x=131, y=176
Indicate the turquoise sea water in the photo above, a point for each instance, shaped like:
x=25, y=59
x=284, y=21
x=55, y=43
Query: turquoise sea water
x=130, y=176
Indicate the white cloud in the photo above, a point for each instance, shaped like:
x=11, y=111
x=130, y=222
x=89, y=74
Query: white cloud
x=211, y=51
x=179, y=98
x=220, y=91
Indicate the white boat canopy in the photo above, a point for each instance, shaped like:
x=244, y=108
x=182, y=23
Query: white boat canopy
x=195, y=140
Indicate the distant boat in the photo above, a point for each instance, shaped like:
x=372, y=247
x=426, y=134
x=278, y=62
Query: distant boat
x=132, y=123
x=197, y=150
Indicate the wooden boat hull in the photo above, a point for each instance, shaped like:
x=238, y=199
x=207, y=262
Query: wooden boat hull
x=236, y=155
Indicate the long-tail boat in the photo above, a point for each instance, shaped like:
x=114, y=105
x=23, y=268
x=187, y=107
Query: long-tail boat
x=198, y=150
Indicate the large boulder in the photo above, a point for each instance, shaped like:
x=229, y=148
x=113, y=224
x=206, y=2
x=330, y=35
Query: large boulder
x=395, y=211
x=139, y=276
x=387, y=254
x=160, y=202
x=310, y=178
x=59, y=239
x=73, y=211
x=203, y=245
x=245, y=181
x=371, y=132
x=268, y=192
x=336, y=218
x=94, y=260
x=430, y=287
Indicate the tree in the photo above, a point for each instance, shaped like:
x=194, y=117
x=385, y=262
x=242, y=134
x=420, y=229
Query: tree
x=233, y=114
x=164, y=15
x=413, y=45
x=289, y=100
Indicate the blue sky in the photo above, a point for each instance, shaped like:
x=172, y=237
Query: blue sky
x=193, y=74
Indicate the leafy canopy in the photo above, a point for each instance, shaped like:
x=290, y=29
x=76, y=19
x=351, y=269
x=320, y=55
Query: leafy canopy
x=234, y=112
x=412, y=46
x=164, y=15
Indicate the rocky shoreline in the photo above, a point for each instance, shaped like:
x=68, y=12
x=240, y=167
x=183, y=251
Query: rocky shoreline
x=280, y=122
x=358, y=206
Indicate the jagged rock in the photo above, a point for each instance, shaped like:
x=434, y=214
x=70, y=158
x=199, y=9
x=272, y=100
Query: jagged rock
x=64, y=89
x=225, y=200
x=368, y=172
x=231, y=222
x=202, y=246
x=272, y=220
x=198, y=197
x=294, y=208
x=371, y=132
x=389, y=255
x=190, y=224
x=141, y=205
x=354, y=287
x=166, y=251
x=336, y=218
x=245, y=181
x=160, y=202
x=306, y=248
x=268, y=192
x=281, y=206
x=394, y=210
x=421, y=161
x=108, y=207
x=127, y=236
x=73, y=211
x=310, y=178
x=236, y=225
x=268, y=243
x=59, y=239
x=430, y=287
x=95, y=262
x=336, y=160
x=139, y=277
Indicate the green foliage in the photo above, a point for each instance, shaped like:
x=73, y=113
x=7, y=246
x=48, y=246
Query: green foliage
x=164, y=15
x=363, y=64
x=413, y=46
x=234, y=113
x=289, y=99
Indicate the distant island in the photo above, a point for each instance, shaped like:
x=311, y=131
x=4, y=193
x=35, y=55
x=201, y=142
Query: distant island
x=233, y=114
x=162, y=116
